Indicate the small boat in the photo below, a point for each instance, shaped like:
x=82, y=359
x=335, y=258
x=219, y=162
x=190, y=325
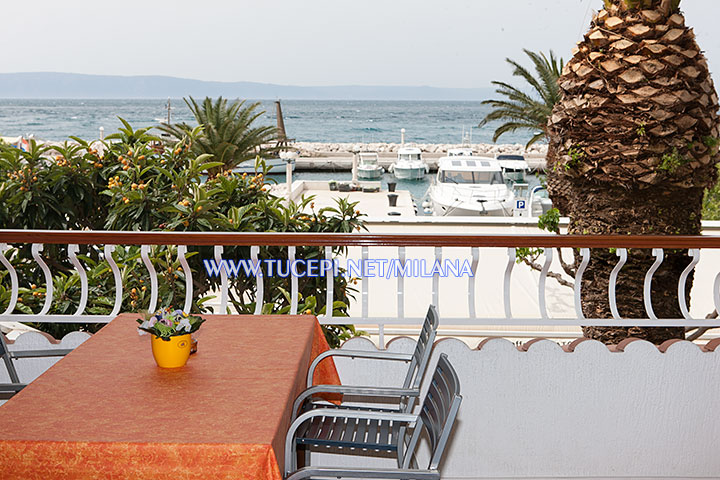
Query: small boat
x=409, y=165
x=368, y=168
x=470, y=186
x=514, y=167
x=273, y=165
x=460, y=152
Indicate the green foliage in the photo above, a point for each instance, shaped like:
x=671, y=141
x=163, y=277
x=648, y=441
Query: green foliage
x=712, y=143
x=672, y=161
x=523, y=111
x=550, y=221
x=646, y=4
x=527, y=253
x=167, y=323
x=641, y=130
x=577, y=155
x=711, y=203
x=132, y=182
x=227, y=132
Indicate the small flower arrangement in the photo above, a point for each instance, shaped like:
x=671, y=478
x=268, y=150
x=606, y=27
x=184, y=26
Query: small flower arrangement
x=166, y=323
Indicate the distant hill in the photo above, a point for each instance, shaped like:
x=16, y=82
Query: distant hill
x=73, y=85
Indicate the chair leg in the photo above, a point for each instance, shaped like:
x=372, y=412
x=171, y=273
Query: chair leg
x=306, y=457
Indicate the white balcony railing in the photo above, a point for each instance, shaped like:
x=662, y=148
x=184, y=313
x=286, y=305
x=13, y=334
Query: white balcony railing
x=464, y=247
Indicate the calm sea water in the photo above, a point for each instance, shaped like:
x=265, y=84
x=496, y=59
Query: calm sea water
x=305, y=120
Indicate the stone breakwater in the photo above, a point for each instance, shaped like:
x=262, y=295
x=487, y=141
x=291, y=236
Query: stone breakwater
x=312, y=149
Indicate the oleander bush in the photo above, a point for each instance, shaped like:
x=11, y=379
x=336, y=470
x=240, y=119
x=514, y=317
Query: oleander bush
x=133, y=181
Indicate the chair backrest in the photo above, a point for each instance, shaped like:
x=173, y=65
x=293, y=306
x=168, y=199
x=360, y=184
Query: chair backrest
x=437, y=416
x=421, y=355
x=5, y=355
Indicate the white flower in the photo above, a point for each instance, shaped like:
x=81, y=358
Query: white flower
x=184, y=323
x=145, y=324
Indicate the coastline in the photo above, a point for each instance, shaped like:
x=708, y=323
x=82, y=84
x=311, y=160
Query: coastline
x=320, y=149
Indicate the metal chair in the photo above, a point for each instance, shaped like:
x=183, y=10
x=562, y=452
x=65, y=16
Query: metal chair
x=405, y=396
x=357, y=432
x=8, y=390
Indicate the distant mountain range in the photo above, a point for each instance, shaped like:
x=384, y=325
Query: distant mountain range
x=74, y=85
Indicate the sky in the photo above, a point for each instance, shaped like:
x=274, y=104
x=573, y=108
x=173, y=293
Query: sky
x=441, y=43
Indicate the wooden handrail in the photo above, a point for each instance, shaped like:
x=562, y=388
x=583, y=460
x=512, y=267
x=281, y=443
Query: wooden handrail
x=354, y=239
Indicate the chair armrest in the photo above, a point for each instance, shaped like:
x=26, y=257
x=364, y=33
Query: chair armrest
x=309, y=472
x=404, y=357
x=407, y=418
x=60, y=352
x=352, y=390
x=12, y=387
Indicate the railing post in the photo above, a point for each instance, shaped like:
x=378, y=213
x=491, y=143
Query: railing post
x=73, y=250
x=622, y=253
x=577, y=287
x=182, y=251
x=144, y=254
x=218, y=250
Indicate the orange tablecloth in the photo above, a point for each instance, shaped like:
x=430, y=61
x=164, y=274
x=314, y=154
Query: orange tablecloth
x=106, y=411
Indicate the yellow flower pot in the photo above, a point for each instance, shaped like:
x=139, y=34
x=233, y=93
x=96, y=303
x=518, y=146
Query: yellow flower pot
x=173, y=353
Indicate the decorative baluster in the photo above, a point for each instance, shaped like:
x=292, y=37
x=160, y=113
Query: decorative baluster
x=622, y=253
x=109, y=249
x=144, y=254
x=695, y=254
x=293, y=282
x=182, y=251
x=330, y=278
x=543, y=279
x=506, y=281
x=471, y=281
x=36, y=249
x=401, y=284
x=219, y=249
x=585, y=254
x=436, y=280
x=659, y=255
x=72, y=255
x=14, y=285
x=260, y=285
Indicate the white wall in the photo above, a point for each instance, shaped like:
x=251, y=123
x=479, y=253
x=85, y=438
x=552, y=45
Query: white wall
x=591, y=413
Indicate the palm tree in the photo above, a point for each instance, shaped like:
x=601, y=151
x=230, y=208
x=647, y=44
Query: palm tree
x=523, y=111
x=636, y=140
x=228, y=133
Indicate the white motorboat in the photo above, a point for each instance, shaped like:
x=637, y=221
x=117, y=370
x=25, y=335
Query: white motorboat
x=470, y=186
x=514, y=167
x=409, y=165
x=368, y=168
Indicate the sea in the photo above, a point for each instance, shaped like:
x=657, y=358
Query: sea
x=354, y=121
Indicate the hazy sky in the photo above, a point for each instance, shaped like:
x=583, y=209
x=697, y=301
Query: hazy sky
x=444, y=43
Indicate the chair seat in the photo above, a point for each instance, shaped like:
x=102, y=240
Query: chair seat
x=378, y=435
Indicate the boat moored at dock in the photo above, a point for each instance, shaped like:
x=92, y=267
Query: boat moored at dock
x=409, y=164
x=470, y=186
x=368, y=168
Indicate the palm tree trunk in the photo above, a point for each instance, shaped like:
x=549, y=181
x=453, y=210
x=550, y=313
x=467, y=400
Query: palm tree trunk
x=622, y=211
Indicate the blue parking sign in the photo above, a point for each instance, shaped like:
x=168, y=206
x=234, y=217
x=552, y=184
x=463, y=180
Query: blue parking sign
x=519, y=204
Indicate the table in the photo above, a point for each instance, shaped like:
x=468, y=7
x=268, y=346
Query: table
x=107, y=411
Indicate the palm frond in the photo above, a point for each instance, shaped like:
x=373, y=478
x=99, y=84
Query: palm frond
x=527, y=108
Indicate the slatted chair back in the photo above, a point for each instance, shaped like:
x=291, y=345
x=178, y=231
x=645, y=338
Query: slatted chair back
x=437, y=416
x=5, y=354
x=421, y=355
x=8, y=390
